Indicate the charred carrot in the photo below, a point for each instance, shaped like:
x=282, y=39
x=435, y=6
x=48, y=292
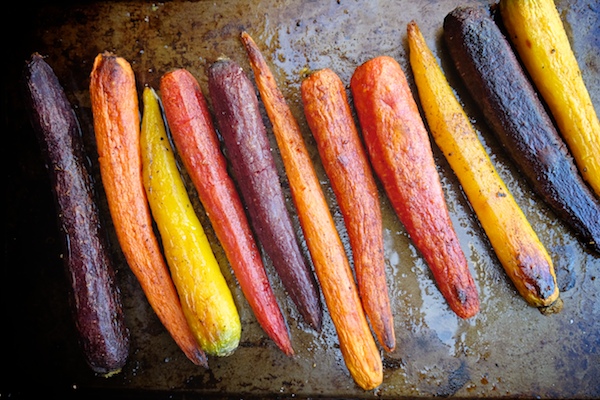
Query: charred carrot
x=324, y=244
x=497, y=82
x=115, y=111
x=205, y=297
x=330, y=119
x=523, y=256
x=95, y=296
x=537, y=32
x=399, y=148
x=196, y=140
x=244, y=134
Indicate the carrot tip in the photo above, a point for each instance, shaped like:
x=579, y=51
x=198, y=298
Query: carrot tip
x=389, y=342
x=553, y=308
x=285, y=346
x=199, y=358
x=317, y=323
x=468, y=313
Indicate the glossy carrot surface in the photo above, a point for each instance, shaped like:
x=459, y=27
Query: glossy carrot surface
x=401, y=155
x=347, y=166
x=196, y=140
x=116, y=116
x=333, y=271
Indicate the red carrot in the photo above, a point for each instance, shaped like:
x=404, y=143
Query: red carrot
x=196, y=140
x=399, y=148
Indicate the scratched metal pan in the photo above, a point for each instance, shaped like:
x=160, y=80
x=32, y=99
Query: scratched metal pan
x=509, y=350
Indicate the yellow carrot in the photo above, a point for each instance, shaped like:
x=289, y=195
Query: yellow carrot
x=536, y=30
x=205, y=297
x=516, y=244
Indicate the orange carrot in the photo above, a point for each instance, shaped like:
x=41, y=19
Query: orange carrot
x=399, y=148
x=324, y=244
x=117, y=127
x=346, y=163
x=196, y=140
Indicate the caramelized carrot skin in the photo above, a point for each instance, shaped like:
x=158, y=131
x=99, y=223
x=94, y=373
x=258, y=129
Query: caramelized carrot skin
x=333, y=271
x=330, y=119
x=495, y=78
x=536, y=31
x=117, y=126
x=245, y=137
x=196, y=140
x=399, y=149
x=516, y=244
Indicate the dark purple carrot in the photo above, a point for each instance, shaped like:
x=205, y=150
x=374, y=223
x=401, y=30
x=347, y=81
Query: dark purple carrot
x=95, y=298
x=244, y=134
x=496, y=80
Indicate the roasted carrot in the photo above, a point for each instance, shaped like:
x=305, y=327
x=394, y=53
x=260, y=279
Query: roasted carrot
x=237, y=112
x=516, y=244
x=116, y=117
x=535, y=29
x=324, y=244
x=330, y=119
x=399, y=149
x=497, y=82
x=205, y=297
x=196, y=140
x=94, y=296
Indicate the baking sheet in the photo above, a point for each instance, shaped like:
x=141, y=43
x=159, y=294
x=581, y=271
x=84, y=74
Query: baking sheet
x=509, y=350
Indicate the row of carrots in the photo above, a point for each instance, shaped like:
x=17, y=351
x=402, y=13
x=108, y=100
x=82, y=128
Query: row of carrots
x=182, y=279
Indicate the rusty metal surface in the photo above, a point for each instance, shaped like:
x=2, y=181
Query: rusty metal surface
x=509, y=350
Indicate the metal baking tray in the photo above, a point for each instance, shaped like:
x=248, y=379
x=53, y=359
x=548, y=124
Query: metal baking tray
x=508, y=350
